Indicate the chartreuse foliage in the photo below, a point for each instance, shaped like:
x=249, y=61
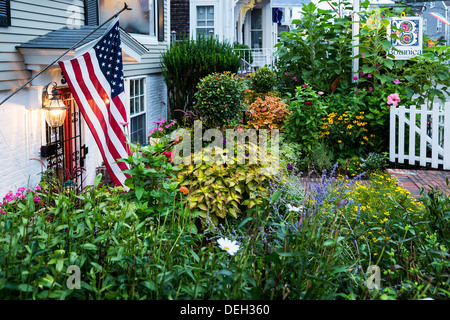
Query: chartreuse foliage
x=219, y=189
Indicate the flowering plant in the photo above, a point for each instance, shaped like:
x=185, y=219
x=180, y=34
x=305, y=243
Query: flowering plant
x=162, y=128
x=393, y=99
x=346, y=133
x=11, y=198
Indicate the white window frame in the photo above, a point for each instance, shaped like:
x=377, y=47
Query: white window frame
x=193, y=16
x=439, y=26
x=128, y=96
x=432, y=4
x=142, y=38
x=425, y=23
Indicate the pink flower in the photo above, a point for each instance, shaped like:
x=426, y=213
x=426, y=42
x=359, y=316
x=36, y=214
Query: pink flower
x=38, y=188
x=369, y=75
x=393, y=99
x=21, y=189
x=370, y=89
x=295, y=78
x=305, y=85
x=355, y=78
x=362, y=73
x=124, y=123
x=396, y=81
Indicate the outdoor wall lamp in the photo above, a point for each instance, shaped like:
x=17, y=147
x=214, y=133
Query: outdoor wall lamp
x=54, y=108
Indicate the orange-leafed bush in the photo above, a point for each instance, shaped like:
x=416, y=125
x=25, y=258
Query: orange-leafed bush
x=269, y=113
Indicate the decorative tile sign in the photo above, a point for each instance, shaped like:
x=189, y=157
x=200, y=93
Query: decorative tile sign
x=409, y=31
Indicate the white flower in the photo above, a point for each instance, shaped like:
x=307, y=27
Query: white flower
x=293, y=208
x=230, y=246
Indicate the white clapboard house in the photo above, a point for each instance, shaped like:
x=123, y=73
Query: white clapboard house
x=32, y=35
x=255, y=23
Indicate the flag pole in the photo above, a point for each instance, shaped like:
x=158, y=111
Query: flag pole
x=51, y=64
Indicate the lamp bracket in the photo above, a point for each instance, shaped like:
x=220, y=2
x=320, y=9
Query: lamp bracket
x=45, y=95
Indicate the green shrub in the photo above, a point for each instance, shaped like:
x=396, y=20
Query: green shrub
x=317, y=50
x=219, y=98
x=374, y=162
x=303, y=124
x=263, y=80
x=188, y=61
x=321, y=158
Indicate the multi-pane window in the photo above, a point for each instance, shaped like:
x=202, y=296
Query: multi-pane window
x=425, y=25
x=140, y=20
x=439, y=26
x=256, y=31
x=138, y=128
x=205, y=20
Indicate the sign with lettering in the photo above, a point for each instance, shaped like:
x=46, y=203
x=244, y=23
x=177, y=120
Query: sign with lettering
x=410, y=37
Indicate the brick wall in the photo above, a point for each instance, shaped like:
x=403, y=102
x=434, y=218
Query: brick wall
x=179, y=20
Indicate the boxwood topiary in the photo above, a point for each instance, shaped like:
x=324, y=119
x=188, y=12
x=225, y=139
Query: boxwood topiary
x=219, y=98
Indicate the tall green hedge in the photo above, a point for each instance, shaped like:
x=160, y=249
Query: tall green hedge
x=187, y=61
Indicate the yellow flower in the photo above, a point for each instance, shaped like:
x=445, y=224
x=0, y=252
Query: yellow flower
x=339, y=141
x=349, y=126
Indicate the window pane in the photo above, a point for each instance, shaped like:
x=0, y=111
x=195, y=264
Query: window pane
x=201, y=23
x=142, y=103
x=137, y=105
x=204, y=32
x=256, y=39
x=132, y=106
x=138, y=130
x=134, y=21
x=210, y=15
x=141, y=86
x=256, y=19
x=131, y=88
x=201, y=14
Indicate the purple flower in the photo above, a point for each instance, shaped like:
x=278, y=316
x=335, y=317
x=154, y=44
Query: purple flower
x=290, y=167
x=370, y=89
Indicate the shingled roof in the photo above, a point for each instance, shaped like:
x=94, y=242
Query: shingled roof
x=65, y=38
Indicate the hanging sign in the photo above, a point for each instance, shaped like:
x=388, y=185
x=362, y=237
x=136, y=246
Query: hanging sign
x=410, y=37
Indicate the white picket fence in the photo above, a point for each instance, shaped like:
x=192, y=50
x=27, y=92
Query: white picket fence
x=422, y=128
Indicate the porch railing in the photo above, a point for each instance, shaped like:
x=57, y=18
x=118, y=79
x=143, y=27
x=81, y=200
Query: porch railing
x=257, y=58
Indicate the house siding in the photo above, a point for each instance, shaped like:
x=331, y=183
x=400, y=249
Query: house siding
x=22, y=126
x=29, y=19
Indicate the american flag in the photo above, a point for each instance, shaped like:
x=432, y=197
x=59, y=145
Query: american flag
x=97, y=84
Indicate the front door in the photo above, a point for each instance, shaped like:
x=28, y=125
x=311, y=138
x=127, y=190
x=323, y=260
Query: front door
x=68, y=151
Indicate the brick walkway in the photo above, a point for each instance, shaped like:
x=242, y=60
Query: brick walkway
x=413, y=180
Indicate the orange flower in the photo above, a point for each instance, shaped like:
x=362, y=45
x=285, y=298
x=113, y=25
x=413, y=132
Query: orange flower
x=184, y=190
